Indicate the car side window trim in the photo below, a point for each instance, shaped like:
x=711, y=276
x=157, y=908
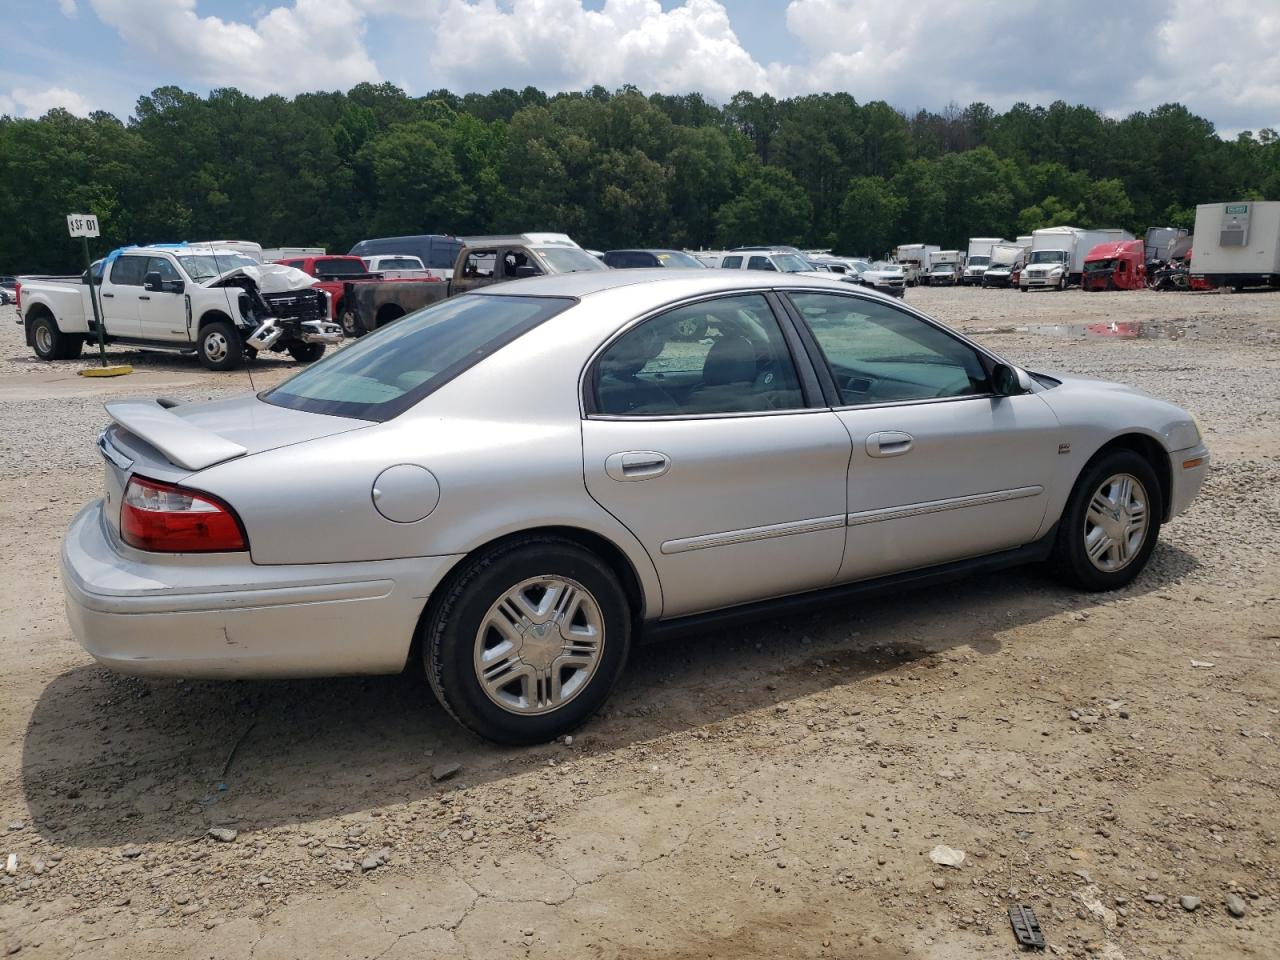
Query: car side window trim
x=814, y=401
x=818, y=357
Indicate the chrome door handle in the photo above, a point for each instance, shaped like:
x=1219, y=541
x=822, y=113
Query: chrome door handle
x=636, y=465
x=889, y=443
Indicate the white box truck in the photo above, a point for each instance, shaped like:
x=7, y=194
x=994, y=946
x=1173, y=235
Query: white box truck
x=946, y=267
x=1237, y=244
x=979, y=258
x=1057, y=255
x=915, y=259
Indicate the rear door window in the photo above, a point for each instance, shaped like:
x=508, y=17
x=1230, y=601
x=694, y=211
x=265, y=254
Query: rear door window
x=760, y=263
x=387, y=372
x=731, y=263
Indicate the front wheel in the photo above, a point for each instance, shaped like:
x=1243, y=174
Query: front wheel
x=1109, y=528
x=306, y=352
x=220, y=346
x=528, y=640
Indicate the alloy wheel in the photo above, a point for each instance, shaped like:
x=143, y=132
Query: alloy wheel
x=1116, y=522
x=539, y=645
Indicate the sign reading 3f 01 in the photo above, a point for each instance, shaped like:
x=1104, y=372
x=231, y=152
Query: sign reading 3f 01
x=82, y=224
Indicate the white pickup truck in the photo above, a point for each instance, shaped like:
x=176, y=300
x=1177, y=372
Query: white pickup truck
x=221, y=305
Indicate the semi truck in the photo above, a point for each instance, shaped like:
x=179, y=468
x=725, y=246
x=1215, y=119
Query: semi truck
x=1004, y=258
x=1115, y=266
x=979, y=258
x=915, y=259
x=1237, y=244
x=1057, y=256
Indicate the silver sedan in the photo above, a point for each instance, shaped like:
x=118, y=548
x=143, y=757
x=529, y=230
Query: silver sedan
x=512, y=486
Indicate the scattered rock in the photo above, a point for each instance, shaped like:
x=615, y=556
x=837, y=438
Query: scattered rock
x=131, y=853
x=468, y=835
x=945, y=856
x=445, y=771
x=939, y=883
x=345, y=866
x=1189, y=903
x=370, y=863
x=16, y=825
x=11, y=864
x=223, y=834
x=1235, y=905
x=1156, y=898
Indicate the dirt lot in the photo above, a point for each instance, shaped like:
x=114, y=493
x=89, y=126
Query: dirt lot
x=769, y=791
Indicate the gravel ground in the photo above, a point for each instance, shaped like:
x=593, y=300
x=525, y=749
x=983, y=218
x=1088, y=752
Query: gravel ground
x=773, y=790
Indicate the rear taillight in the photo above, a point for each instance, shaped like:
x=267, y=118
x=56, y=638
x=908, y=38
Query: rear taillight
x=167, y=519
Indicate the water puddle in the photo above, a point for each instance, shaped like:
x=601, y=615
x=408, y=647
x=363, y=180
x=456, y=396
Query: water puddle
x=1114, y=330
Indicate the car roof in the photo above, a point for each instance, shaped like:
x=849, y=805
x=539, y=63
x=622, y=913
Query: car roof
x=645, y=250
x=655, y=286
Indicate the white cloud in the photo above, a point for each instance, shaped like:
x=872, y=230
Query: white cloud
x=68, y=7
x=311, y=45
x=557, y=44
x=28, y=102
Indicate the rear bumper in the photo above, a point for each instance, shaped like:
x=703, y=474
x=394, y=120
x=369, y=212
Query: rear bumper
x=1189, y=468
x=222, y=616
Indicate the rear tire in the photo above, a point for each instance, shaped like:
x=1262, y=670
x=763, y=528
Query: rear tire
x=350, y=323
x=50, y=343
x=219, y=346
x=471, y=637
x=306, y=352
x=1111, y=523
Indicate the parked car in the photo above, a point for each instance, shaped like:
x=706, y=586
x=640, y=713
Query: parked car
x=8, y=290
x=335, y=273
x=780, y=261
x=528, y=478
x=632, y=259
x=437, y=251
x=481, y=261
x=218, y=305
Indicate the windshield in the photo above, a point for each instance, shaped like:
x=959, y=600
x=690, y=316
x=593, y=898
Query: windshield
x=400, y=263
x=568, y=259
x=979, y=261
x=859, y=265
x=885, y=265
x=943, y=268
x=1098, y=266
x=790, y=263
x=206, y=266
x=674, y=258
x=1048, y=256
x=387, y=372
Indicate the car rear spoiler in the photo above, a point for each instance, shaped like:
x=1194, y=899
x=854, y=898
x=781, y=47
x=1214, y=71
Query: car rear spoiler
x=182, y=442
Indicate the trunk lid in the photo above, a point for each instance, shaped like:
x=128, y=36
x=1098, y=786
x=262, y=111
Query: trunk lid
x=172, y=442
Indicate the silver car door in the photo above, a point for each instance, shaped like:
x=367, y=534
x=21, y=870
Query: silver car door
x=942, y=469
x=718, y=454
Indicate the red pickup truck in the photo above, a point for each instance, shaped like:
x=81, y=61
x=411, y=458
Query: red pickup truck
x=332, y=272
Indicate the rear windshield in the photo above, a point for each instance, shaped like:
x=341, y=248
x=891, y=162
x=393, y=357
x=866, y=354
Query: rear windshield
x=341, y=267
x=568, y=259
x=387, y=372
x=399, y=263
x=674, y=258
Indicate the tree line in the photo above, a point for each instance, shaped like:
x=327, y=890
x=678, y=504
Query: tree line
x=613, y=169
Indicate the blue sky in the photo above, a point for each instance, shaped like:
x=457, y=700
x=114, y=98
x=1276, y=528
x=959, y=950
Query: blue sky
x=1222, y=59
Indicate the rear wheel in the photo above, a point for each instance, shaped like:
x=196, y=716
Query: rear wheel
x=1111, y=523
x=220, y=346
x=350, y=322
x=50, y=343
x=306, y=352
x=528, y=640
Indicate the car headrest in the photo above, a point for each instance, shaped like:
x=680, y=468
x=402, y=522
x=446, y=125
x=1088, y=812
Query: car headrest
x=732, y=359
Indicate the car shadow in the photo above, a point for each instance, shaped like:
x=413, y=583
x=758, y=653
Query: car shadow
x=111, y=760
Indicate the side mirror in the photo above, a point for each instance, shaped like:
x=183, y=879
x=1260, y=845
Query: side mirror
x=527, y=270
x=152, y=282
x=1009, y=381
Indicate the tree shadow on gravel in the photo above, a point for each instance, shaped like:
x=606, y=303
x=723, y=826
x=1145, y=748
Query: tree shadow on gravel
x=110, y=760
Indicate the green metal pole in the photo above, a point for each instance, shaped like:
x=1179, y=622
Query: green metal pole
x=93, y=300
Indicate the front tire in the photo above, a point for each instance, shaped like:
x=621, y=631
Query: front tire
x=528, y=640
x=1111, y=523
x=219, y=346
x=306, y=352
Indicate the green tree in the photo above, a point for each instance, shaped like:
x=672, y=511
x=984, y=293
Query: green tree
x=771, y=207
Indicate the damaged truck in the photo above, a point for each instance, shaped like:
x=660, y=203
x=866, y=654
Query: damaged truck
x=220, y=305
